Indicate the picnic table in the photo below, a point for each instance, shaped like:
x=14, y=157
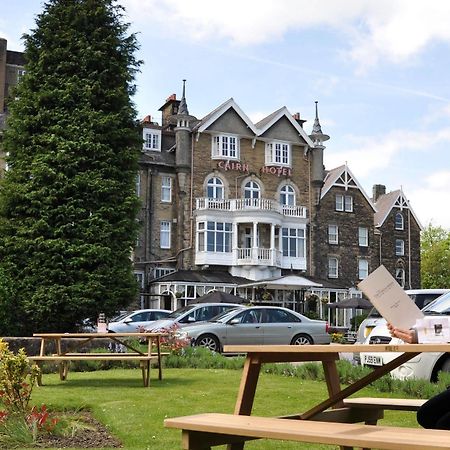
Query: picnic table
x=75, y=350
x=335, y=420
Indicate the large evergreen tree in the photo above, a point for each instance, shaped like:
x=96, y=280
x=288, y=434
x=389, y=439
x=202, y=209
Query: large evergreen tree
x=67, y=203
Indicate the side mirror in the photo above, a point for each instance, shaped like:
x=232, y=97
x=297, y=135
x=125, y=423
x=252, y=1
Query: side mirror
x=234, y=321
x=128, y=320
x=191, y=319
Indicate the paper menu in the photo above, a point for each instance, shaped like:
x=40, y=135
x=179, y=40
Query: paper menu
x=390, y=299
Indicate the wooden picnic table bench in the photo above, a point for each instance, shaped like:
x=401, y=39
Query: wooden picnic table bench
x=335, y=420
x=203, y=431
x=77, y=341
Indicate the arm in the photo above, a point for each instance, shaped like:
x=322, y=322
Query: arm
x=408, y=336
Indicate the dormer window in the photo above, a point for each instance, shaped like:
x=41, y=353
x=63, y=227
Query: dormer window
x=278, y=153
x=152, y=140
x=225, y=146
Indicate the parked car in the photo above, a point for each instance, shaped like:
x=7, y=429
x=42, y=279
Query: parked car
x=425, y=365
x=195, y=312
x=136, y=320
x=257, y=325
x=421, y=297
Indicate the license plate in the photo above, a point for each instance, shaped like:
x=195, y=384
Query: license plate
x=371, y=360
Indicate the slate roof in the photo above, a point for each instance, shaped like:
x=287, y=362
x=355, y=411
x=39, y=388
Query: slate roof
x=202, y=276
x=385, y=203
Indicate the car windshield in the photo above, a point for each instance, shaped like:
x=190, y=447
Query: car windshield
x=119, y=317
x=373, y=313
x=439, y=306
x=224, y=316
x=178, y=312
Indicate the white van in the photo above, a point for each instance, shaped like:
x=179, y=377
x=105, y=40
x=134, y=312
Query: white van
x=421, y=297
x=425, y=365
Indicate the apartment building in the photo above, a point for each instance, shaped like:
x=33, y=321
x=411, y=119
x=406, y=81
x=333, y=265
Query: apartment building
x=240, y=206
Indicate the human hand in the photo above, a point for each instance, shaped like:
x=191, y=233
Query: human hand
x=408, y=336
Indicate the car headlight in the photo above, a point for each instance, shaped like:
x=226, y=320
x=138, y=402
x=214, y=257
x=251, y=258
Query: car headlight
x=181, y=335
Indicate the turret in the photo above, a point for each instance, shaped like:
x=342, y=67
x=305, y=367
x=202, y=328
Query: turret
x=318, y=137
x=183, y=133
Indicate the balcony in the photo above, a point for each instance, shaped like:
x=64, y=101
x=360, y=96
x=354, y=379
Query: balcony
x=257, y=256
x=246, y=204
x=262, y=257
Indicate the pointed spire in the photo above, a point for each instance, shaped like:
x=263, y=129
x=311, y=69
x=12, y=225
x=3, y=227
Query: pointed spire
x=317, y=134
x=183, y=109
x=316, y=127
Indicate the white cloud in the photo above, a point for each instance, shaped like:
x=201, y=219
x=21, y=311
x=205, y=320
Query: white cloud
x=368, y=153
x=376, y=30
x=429, y=201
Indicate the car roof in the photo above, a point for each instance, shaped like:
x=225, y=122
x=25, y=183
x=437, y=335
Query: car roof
x=427, y=291
x=214, y=304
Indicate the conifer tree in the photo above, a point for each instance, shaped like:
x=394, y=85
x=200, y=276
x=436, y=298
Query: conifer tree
x=67, y=204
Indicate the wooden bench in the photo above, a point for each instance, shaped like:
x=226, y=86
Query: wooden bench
x=399, y=404
x=64, y=360
x=203, y=431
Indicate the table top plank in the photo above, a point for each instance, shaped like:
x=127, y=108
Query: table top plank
x=96, y=335
x=337, y=348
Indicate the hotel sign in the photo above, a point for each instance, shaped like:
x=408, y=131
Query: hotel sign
x=243, y=167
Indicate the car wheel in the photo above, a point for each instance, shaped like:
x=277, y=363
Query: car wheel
x=446, y=366
x=208, y=341
x=302, y=339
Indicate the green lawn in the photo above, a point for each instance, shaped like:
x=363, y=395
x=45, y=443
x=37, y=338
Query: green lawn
x=135, y=414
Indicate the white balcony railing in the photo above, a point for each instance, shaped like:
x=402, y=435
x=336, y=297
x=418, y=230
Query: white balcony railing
x=258, y=256
x=241, y=204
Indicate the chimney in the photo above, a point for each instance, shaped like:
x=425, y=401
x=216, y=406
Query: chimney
x=296, y=117
x=147, y=119
x=377, y=191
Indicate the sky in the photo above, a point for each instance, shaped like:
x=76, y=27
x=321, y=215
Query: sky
x=380, y=70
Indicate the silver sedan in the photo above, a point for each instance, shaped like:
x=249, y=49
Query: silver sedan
x=257, y=325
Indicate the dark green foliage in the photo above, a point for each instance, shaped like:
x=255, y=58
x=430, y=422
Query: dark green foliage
x=68, y=205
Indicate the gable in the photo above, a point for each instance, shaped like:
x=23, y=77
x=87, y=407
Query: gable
x=230, y=122
x=343, y=177
x=283, y=130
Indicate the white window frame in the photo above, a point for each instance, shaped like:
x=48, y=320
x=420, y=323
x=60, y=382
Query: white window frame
x=225, y=146
x=216, y=185
x=344, y=203
x=166, y=189
x=400, y=276
x=161, y=271
x=363, y=268
x=333, y=267
x=209, y=232
x=399, y=224
x=165, y=234
x=152, y=139
x=287, y=195
x=363, y=236
x=140, y=278
x=399, y=247
x=333, y=234
x=279, y=153
x=138, y=184
x=251, y=188
x=293, y=242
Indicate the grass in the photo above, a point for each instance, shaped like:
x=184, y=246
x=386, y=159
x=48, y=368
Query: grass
x=136, y=414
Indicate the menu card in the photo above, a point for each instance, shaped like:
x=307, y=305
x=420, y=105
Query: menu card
x=390, y=299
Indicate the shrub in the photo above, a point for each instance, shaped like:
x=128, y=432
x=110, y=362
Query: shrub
x=19, y=423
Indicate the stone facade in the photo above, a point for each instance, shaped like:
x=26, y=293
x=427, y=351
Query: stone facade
x=363, y=241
